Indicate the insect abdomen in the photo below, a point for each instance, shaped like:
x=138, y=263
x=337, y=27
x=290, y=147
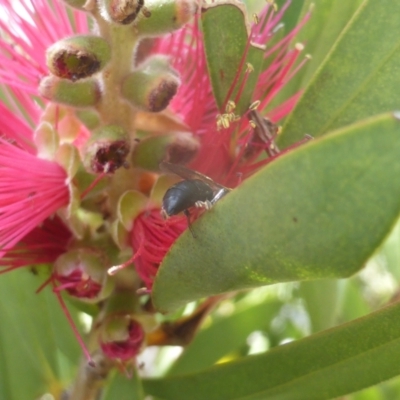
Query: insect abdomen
x=184, y=195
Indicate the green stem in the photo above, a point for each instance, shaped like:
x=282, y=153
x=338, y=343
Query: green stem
x=112, y=108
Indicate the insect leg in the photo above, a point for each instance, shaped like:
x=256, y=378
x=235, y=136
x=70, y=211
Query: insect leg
x=187, y=214
x=204, y=204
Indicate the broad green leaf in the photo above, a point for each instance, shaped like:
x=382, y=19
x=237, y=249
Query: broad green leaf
x=223, y=336
x=36, y=342
x=122, y=388
x=369, y=394
x=319, y=211
x=225, y=33
x=323, y=366
x=358, y=78
x=328, y=19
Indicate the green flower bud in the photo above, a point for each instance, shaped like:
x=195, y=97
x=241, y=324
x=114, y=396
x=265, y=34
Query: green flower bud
x=89, y=118
x=152, y=85
x=106, y=150
x=78, y=57
x=84, y=93
x=130, y=205
x=122, y=11
x=79, y=4
x=178, y=148
x=165, y=16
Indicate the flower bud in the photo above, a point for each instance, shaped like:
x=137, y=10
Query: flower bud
x=121, y=337
x=178, y=148
x=122, y=11
x=79, y=4
x=152, y=85
x=166, y=16
x=106, y=150
x=82, y=273
x=89, y=118
x=78, y=57
x=84, y=93
x=46, y=140
x=130, y=205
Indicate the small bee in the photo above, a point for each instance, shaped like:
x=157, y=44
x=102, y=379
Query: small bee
x=196, y=190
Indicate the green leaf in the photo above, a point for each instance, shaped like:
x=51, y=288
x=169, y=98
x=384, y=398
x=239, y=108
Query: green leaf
x=292, y=14
x=36, y=342
x=359, y=77
x=323, y=366
x=122, y=388
x=225, y=33
x=328, y=19
x=223, y=336
x=317, y=212
x=321, y=300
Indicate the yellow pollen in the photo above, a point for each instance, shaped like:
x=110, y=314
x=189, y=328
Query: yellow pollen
x=256, y=20
x=230, y=106
x=299, y=46
x=252, y=124
x=249, y=67
x=254, y=105
x=224, y=120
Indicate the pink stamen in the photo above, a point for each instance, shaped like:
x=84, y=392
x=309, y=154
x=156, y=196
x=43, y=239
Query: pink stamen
x=114, y=269
x=74, y=328
x=92, y=185
x=238, y=73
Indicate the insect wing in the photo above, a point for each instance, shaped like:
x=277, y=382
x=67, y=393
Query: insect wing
x=187, y=173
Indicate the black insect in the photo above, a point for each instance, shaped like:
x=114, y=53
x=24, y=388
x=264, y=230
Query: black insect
x=196, y=190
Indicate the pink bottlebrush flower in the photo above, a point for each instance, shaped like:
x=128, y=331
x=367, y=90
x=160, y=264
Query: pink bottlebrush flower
x=31, y=189
x=221, y=152
x=31, y=26
x=43, y=245
x=151, y=238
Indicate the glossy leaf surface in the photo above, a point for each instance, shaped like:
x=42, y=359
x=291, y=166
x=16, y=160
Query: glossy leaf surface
x=226, y=38
x=323, y=366
x=358, y=78
x=319, y=211
x=42, y=342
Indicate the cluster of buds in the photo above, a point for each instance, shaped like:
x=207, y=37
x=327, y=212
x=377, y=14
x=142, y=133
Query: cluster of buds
x=119, y=101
